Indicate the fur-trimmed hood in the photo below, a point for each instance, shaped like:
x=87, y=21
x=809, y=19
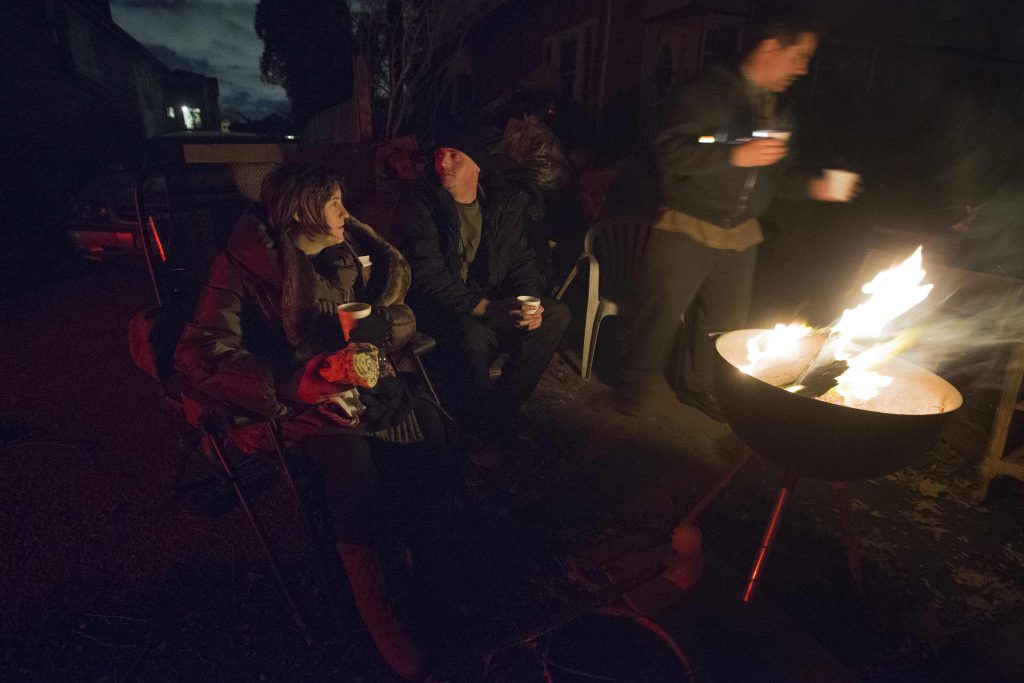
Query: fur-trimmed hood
x=303, y=291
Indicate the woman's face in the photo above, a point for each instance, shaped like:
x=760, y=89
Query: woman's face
x=334, y=215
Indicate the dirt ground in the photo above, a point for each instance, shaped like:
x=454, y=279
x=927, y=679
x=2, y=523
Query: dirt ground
x=107, y=575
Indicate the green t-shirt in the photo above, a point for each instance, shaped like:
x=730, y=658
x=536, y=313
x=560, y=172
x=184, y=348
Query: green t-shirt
x=470, y=228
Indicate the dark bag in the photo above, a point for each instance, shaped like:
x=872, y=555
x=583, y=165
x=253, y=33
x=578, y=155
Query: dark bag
x=388, y=403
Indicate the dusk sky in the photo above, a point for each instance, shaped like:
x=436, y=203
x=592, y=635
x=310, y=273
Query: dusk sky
x=212, y=37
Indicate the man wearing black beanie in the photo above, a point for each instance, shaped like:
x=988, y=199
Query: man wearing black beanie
x=463, y=233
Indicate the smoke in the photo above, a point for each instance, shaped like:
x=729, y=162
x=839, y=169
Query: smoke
x=964, y=330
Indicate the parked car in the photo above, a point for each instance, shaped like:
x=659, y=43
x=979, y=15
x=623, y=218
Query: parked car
x=102, y=223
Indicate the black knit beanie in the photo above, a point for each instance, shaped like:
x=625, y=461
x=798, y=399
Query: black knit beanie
x=465, y=137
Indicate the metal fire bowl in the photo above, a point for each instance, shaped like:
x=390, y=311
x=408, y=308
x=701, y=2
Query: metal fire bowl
x=820, y=440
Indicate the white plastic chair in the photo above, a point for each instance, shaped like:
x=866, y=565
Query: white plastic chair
x=614, y=249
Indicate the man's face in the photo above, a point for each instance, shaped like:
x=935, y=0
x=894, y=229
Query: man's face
x=783, y=65
x=456, y=171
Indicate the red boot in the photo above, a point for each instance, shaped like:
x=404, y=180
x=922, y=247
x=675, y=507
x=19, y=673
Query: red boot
x=393, y=642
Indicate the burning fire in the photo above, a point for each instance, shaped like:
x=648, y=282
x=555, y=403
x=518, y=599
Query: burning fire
x=892, y=292
x=779, y=342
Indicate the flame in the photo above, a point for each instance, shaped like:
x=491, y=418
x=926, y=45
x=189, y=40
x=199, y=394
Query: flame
x=892, y=292
x=778, y=342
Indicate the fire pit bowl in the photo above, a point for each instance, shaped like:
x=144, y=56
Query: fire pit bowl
x=821, y=440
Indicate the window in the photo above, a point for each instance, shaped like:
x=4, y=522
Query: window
x=569, y=55
x=192, y=116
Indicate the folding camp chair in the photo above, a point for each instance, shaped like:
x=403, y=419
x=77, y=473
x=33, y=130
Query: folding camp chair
x=186, y=212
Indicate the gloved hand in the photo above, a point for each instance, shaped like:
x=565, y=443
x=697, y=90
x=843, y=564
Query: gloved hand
x=373, y=329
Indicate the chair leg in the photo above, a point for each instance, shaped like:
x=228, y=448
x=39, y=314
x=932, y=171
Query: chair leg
x=274, y=431
x=430, y=388
x=568, y=281
x=258, y=529
x=593, y=340
x=590, y=332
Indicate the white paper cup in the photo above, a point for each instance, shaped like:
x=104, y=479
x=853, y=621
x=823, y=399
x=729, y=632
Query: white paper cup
x=841, y=183
x=529, y=304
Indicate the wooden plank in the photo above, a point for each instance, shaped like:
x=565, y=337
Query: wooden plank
x=997, y=301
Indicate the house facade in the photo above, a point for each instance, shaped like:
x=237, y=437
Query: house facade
x=622, y=59
x=78, y=95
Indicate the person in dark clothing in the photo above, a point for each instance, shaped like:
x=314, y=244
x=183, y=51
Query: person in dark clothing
x=264, y=324
x=722, y=157
x=465, y=240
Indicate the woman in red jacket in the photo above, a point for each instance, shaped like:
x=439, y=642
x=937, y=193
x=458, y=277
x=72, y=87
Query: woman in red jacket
x=263, y=326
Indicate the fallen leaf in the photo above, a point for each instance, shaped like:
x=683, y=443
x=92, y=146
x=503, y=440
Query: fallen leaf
x=1013, y=553
x=932, y=489
x=978, y=602
x=969, y=577
x=924, y=520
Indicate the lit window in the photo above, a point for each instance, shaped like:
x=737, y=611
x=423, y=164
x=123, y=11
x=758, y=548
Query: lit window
x=192, y=116
x=170, y=112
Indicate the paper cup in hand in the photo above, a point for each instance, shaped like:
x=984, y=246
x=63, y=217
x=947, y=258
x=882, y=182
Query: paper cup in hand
x=349, y=314
x=841, y=183
x=774, y=134
x=528, y=304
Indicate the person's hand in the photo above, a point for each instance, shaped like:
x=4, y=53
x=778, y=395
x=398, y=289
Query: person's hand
x=373, y=329
x=819, y=189
x=480, y=310
x=510, y=311
x=758, y=153
x=312, y=388
x=532, y=321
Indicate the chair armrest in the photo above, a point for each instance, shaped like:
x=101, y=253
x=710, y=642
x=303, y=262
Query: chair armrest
x=421, y=344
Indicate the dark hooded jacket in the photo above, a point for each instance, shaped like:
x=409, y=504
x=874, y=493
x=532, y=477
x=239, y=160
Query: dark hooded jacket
x=267, y=308
x=698, y=179
x=504, y=265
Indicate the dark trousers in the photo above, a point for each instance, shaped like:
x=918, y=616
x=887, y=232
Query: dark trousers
x=367, y=481
x=468, y=346
x=712, y=286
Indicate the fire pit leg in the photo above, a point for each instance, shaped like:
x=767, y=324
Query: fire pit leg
x=850, y=544
x=711, y=496
x=787, y=485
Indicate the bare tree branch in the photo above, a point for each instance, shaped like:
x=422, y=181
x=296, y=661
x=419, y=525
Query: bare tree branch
x=410, y=47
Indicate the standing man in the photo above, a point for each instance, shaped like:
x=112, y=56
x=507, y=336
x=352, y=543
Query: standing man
x=465, y=240
x=717, y=179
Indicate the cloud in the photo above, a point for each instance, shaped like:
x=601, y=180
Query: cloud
x=212, y=37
